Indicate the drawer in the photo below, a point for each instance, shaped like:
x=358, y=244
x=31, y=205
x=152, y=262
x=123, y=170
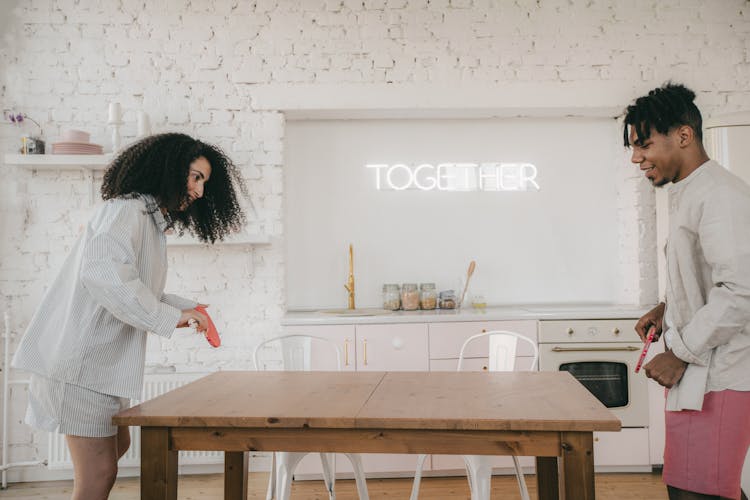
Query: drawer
x=446, y=339
x=449, y=365
x=583, y=330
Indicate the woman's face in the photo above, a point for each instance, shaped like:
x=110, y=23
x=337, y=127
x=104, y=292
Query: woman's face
x=200, y=172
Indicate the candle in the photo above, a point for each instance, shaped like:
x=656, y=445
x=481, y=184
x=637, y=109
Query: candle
x=115, y=112
x=144, y=124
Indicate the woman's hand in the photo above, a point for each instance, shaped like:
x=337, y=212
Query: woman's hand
x=190, y=315
x=652, y=318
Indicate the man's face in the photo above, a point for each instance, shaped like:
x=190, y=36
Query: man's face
x=658, y=156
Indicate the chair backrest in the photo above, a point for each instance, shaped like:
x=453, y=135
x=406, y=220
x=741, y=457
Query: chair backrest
x=503, y=345
x=294, y=352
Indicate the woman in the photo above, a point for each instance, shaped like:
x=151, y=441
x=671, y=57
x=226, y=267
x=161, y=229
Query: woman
x=86, y=343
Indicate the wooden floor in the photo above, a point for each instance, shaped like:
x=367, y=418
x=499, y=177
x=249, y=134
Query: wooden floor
x=206, y=487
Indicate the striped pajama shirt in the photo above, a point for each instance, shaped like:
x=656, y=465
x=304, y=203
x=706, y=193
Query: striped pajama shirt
x=90, y=328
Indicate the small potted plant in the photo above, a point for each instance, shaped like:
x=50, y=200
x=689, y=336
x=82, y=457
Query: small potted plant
x=29, y=145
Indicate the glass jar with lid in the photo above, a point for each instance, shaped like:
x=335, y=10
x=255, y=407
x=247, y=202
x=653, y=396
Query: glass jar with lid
x=391, y=297
x=409, y=297
x=447, y=299
x=427, y=296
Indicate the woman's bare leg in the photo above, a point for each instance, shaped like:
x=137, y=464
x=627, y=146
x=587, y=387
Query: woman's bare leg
x=94, y=466
x=123, y=441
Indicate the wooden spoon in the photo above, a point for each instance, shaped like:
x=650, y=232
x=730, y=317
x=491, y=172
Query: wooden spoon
x=469, y=272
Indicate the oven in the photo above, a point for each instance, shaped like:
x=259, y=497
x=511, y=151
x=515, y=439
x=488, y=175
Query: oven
x=602, y=355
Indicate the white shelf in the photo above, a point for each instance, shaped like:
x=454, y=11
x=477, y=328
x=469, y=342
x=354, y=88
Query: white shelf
x=55, y=162
x=236, y=239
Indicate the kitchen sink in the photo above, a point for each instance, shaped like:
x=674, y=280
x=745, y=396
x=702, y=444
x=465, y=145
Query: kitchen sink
x=356, y=312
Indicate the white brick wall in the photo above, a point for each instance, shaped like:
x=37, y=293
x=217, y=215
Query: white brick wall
x=193, y=67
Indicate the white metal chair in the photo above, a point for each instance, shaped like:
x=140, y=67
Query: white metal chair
x=296, y=355
x=503, y=346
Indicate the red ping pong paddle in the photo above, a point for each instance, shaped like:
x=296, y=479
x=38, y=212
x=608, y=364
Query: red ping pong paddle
x=212, y=335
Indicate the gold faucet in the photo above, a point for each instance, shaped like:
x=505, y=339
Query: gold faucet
x=350, y=281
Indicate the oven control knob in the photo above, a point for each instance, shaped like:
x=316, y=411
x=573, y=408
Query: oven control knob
x=616, y=331
x=570, y=331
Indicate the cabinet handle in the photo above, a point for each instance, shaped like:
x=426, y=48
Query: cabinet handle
x=346, y=352
x=364, y=343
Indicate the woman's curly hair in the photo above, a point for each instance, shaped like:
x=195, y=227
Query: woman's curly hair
x=159, y=165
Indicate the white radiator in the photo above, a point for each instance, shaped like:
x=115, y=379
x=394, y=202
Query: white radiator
x=154, y=385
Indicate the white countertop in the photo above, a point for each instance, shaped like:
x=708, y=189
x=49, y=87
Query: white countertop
x=496, y=313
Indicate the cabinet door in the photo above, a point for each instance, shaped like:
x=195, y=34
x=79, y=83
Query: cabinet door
x=393, y=347
x=629, y=447
x=446, y=339
x=322, y=358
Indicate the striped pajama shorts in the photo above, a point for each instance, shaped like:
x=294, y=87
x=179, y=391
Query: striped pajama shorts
x=71, y=409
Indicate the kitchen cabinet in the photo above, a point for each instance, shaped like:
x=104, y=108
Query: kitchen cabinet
x=411, y=346
x=392, y=347
x=434, y=345
x=322, y=359
x=446, y=340
x=399, y=347
x=627, y=448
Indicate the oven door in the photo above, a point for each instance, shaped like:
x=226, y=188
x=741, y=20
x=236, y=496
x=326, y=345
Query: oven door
x=607, y=370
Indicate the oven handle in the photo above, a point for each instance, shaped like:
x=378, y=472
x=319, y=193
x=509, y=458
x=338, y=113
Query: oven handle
x=591, y=349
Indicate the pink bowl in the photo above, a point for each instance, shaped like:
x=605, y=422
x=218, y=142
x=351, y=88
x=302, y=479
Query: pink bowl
x=75, y=136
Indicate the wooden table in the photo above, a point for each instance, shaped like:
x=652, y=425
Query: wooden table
x=549, y=415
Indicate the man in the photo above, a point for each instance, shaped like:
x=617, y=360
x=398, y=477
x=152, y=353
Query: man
x=706, y=318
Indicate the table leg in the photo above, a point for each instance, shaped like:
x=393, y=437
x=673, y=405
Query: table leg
x=578, y=465
x=235, y=475
x=547, y=479
x=158, y=465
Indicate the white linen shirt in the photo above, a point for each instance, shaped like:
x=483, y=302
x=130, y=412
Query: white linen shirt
x=90, y=329
x=708, y=284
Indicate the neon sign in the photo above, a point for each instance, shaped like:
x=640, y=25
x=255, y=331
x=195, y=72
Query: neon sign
x=456, y=176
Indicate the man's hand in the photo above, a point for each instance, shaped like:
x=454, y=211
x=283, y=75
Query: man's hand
x=666, y=368
x=191, y=314
x=652, y=318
